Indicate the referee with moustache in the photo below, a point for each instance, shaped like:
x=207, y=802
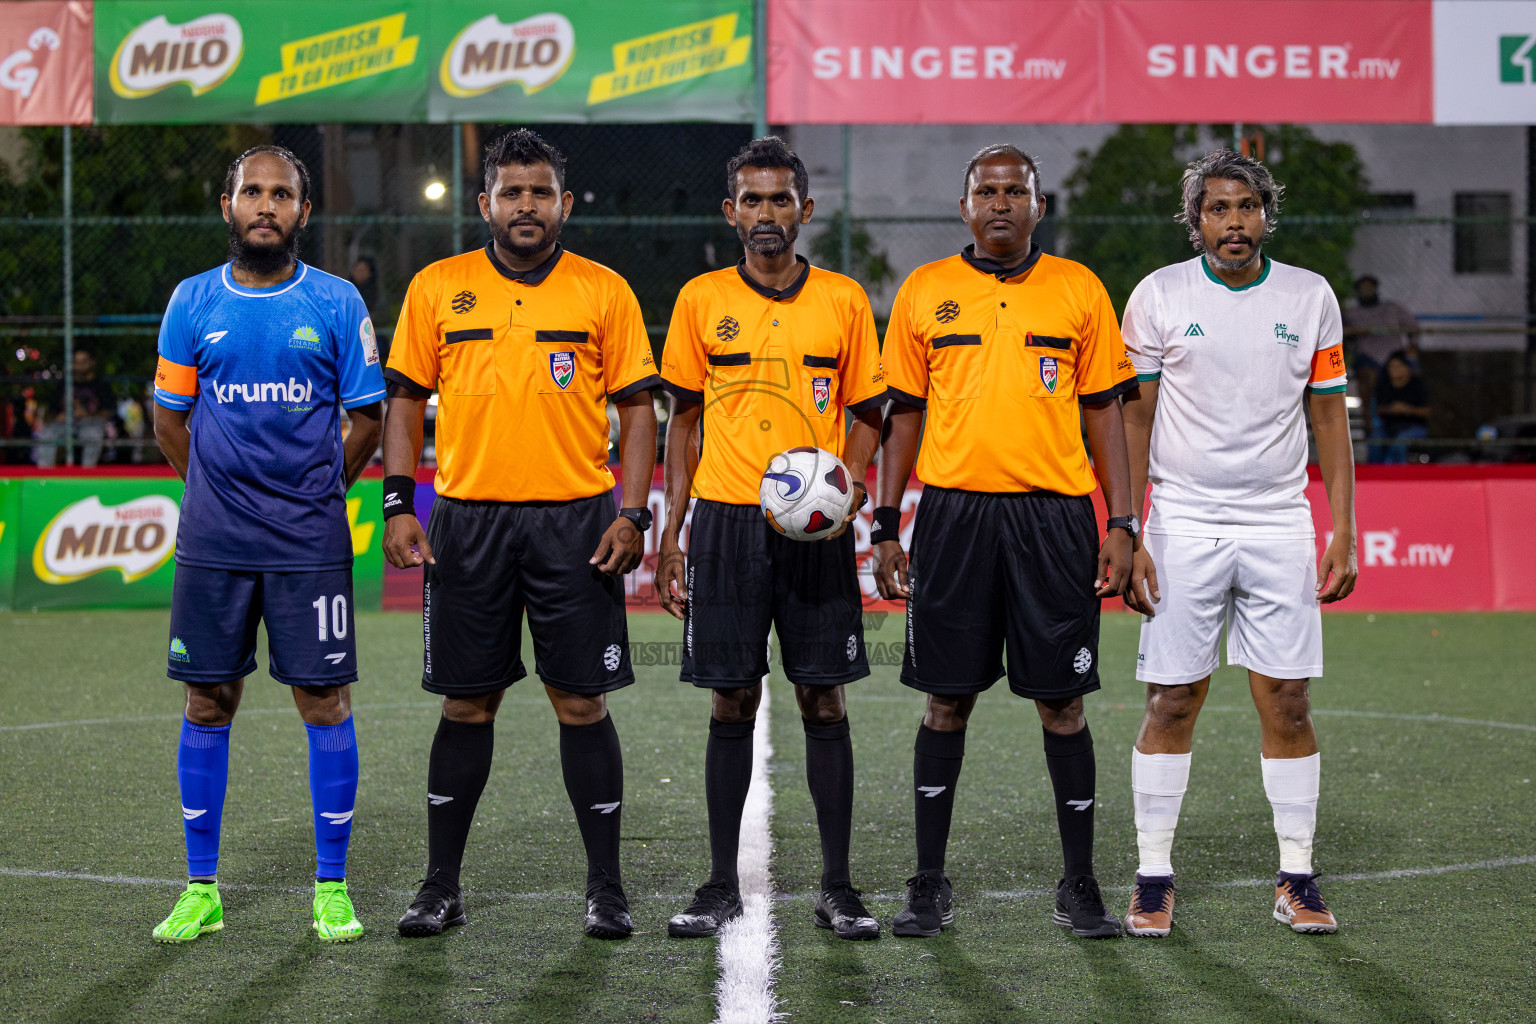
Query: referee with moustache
x=764, y=356
x=525, y=344
x=1000, y=347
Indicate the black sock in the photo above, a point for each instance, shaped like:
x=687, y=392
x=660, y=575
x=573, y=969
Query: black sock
x=456, y=774
x=593, y=764
x=829, y=773
x=1070, y=760
x=935, y=772
x=727, y=776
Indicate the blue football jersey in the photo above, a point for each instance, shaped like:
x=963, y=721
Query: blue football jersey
x=265, y=372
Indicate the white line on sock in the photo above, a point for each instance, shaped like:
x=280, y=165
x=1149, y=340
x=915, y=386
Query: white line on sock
x=749, y=946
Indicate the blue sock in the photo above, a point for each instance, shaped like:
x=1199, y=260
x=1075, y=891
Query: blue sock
x=202, y=772
x=333, y=790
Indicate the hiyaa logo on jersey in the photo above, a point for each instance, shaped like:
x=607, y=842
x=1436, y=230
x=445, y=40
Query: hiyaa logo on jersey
x=292, y=393
x=488, y=54
x=157, y=54
x=1284, y=337
x=87, y=537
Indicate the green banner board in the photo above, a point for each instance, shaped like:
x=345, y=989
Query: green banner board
x=10, y=525
x=91, y=542
x=276, y=61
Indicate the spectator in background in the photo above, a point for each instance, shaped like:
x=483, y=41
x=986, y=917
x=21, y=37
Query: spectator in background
x=1402, y=407
x=1373, y=330
x=95, y=409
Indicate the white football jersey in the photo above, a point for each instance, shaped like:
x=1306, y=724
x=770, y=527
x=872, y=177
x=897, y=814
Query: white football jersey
x=1229, y=438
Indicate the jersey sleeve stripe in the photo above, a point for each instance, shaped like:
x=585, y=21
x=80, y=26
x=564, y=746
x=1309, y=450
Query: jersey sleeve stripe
x=906, y=398
x=170, y=401
x=1155, y=375
x=678, y=391
x=866, y=404
x=407, y=385
x=1329, y=387
x=629, y=390
x=1129, y=384
x=368, y=399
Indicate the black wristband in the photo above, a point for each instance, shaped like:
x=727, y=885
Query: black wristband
x=887, y=524
x=399, y=496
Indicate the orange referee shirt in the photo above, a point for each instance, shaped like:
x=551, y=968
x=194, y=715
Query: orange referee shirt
x=774, y=370
x=1001, y=359
x=524, y=364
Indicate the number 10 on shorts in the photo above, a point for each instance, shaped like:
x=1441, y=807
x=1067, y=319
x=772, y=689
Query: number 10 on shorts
x=338, y=610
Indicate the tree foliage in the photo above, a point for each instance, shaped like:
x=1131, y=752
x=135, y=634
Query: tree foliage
x=1125, y=194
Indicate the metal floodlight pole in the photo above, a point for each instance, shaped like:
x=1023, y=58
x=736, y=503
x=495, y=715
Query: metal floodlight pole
x=69, y=297
x=760, y=68
x=845, y=228
x=456, y=190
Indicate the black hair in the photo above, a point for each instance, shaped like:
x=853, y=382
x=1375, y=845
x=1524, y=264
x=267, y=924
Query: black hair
x=1367, y=277
x=232, y=176
x=526, y=148
x=768, y=151
x=1000, y=149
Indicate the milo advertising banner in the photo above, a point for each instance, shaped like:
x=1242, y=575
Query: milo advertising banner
x=590, y=60
x=78, y=542
x=273, y=61
x=196, y=61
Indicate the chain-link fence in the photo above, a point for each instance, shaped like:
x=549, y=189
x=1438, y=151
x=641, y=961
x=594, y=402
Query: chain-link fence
x=133, y=210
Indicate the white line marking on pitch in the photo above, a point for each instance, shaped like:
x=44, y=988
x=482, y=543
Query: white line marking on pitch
x=749, y=946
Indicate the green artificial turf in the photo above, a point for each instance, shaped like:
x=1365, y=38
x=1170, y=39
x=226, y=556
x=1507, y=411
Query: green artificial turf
x=1401, y=792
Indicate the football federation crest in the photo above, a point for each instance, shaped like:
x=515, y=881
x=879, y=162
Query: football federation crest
x=464, y=301
x=821, y=392
x=947, y=311
x=727, y=328
x=1048, y=373
x=562, y=367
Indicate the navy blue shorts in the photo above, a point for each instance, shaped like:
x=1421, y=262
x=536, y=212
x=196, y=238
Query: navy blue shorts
x=310, y=636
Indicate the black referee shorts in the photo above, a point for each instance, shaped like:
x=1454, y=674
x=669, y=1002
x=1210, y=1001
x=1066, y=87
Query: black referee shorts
x=742, y=576
x=493, y=560
x=996, y=571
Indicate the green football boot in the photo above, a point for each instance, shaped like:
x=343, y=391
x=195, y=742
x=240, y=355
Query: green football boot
x=198, y=910
x=335, y=920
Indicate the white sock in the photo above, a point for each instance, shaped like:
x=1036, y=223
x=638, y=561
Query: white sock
x=1158, y=782
x=1292, y=783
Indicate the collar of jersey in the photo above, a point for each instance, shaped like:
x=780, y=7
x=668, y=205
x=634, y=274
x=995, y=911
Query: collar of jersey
x=987, y=265
x=535, y=276
x=1206, y=266
x=788, y=292
x=228, y=278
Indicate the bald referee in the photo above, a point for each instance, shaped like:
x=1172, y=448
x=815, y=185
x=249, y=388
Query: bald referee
x=526, y=344
x=1003, y=347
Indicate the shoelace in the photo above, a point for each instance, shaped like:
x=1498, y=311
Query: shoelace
x=192, y=904
x=1303, y=890
x=330, y=901
x=432, y=890
x=1086, y=889
x=710, y=896
x=1152, y=897
x=845, y=894
x=924, y=887
x=606, y=892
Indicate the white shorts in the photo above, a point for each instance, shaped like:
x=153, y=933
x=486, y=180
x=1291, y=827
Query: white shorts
x=1263, y=588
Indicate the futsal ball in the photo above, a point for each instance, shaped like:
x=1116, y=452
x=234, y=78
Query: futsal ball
x=806, y=493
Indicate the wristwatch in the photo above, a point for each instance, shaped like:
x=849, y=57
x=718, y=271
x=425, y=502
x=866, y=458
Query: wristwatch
x=641, y=517
x=1130, y=524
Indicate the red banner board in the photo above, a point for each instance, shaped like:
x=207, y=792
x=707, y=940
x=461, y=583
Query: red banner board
x=1084, y=61
x=46, y=61
x=1297, y=60
x=955, y=62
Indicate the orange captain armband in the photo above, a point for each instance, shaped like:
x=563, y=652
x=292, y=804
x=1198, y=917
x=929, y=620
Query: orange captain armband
x=175, y=379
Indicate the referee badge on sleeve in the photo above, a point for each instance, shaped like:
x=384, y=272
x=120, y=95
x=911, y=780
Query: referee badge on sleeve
x=562, y=367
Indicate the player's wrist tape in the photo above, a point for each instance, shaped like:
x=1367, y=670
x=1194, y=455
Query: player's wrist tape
x=887, y=524
x=399, y=496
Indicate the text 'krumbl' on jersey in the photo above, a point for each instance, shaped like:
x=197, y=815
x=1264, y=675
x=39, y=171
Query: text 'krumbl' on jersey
x=1001, y=359
x=524, y=363
x=265, y=372
x=1229, y=440
x=774, y=369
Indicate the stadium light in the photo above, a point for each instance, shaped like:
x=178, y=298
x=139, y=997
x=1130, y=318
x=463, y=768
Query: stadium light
x=435, y=190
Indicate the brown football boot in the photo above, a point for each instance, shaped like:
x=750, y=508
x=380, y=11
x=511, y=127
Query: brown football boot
x=1300, y=905
x=1151, y=911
